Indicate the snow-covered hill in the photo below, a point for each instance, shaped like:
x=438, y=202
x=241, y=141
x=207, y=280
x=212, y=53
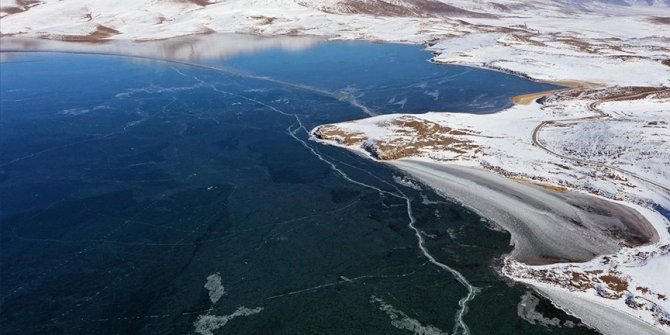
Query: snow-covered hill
x=542, y=39
x=147, y=19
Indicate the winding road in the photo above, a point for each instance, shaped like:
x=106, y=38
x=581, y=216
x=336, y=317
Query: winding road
x=599, y=114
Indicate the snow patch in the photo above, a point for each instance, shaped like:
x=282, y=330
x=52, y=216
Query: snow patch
x=401, y=320
x=207, y=324
x=215, y=288
x=404, y=181
x=526, y=309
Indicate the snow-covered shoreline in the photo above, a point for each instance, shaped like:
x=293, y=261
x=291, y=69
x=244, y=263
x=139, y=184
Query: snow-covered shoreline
x=501, y=143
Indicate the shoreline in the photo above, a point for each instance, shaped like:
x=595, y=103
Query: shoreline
x=516, y=207
x=596, y=315
x=456, y=184
x=529, y=98
x=562, y=297
x=608, y=321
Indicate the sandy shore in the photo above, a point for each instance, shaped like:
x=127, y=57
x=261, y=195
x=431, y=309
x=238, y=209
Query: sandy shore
x=526, y=99
x=546, y=226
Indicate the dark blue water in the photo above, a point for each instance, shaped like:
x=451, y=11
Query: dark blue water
x=125, y=184
x=390, y=77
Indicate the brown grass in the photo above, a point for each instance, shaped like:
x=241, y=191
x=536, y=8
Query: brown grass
x=547, y=186
x=417, y=135
x=264, y=20
x=577, y=44
x=294, y=32
x=660, y=20
x=413, y=136
x=418, y=8
x=100, y=33
x=332, y=132
x=527, y=40
x=610, y=93
x=201, y=3
x=527, y=99
x=614, y=283
x=579, y=84
x=23, y=5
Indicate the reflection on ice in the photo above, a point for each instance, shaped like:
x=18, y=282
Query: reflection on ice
x=192, y=48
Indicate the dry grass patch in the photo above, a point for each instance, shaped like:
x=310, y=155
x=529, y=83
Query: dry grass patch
x=551, y=187
x=263, y=20
x=417, y=8
x=100, y=33
x=331, y=132
x=577, y=44
x=201, y=3
x=614, y=283
x=527, y=99
x=412, y=137
x=610, y=93
x=660, y=20
x=22, y=6
x=416, y=136
x=525, y=39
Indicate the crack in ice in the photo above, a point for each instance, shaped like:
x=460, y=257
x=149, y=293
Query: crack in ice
x=460, y=327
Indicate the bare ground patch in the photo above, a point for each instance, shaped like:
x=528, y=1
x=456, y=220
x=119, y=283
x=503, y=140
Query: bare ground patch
x=100, y=33
x=23, y=5
x=201, y=3
x=609, y=93
x=263, y=20
x=660, y=20
x=526, y=99
x=412, y=137
x=547, y=186
x=408, y=8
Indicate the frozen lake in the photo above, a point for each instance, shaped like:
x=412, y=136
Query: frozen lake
x=184, y=196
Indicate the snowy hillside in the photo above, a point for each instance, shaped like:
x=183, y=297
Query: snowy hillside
x=523, y=37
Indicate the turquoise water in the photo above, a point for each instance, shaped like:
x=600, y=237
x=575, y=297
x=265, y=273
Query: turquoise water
x=125, y=184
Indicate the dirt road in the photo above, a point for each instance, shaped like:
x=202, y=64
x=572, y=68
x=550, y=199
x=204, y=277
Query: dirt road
x=598, y=114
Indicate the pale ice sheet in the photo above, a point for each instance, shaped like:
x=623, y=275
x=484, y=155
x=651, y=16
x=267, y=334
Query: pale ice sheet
x=215, y=288
x=401, y=320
